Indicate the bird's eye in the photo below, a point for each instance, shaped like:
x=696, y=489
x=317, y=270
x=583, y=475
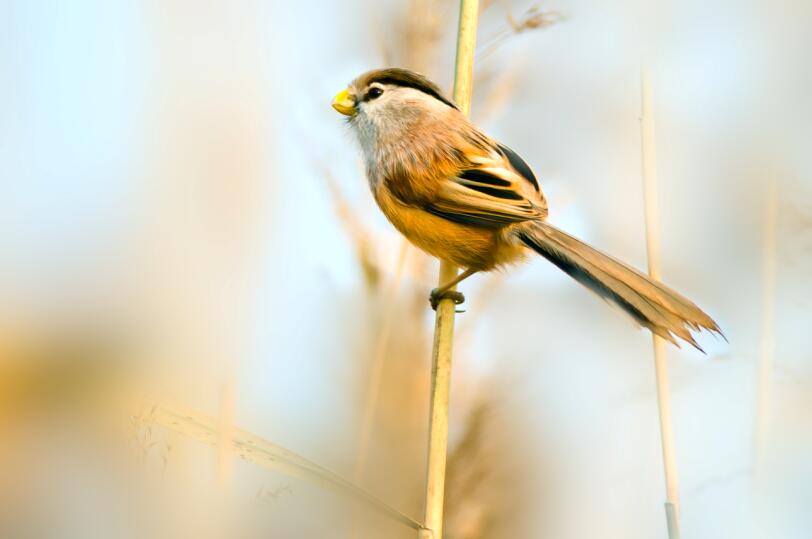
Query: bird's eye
x=374, y=92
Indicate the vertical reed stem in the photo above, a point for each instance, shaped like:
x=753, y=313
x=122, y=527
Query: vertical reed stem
x=376, y=372
x=444, y=321
x=649, y=164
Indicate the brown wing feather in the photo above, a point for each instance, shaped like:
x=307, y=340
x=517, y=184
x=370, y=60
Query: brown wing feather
x=488, y=192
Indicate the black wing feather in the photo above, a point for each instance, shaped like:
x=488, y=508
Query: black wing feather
x=521, y=167
x=480, y=176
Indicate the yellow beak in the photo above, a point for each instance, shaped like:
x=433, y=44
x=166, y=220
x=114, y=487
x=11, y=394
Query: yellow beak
x=343, y=103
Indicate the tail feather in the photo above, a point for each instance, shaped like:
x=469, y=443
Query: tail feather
x=652, y=304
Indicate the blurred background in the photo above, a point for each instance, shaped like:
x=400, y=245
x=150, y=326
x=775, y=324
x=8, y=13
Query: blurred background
x=184, y=219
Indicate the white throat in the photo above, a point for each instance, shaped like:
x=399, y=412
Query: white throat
x=383, y=126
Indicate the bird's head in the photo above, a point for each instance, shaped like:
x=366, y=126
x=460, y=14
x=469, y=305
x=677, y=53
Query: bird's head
x=390, y=95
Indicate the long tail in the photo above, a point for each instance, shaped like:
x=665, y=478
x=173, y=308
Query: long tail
x=652, y=304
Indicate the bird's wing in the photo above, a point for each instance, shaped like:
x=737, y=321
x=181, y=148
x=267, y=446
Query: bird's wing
x=494, y=190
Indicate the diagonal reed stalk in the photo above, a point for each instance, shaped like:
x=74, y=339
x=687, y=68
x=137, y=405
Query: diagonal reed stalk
x=252, y=448
x=444, y=321
x=649, y=166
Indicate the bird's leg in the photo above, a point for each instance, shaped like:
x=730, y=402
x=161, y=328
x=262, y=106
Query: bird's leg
x=445, y=292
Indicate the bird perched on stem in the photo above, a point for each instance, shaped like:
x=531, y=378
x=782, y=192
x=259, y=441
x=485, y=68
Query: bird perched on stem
x=461, y=196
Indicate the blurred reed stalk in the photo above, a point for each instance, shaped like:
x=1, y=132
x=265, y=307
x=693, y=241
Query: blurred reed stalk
x=376, y=374
x=252, y=448
x=765, y=364
x=649, y=166
x=444, y=321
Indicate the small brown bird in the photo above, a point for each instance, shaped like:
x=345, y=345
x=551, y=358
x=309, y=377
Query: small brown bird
x=461, y=196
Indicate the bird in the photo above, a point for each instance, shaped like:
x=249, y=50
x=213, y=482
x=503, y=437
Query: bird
x=461, y=196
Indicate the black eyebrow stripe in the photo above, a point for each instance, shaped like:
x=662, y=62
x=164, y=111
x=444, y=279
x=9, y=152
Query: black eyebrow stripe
x=400, y=81
x=481, y=176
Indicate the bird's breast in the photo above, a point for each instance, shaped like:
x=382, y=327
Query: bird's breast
x=467, y=246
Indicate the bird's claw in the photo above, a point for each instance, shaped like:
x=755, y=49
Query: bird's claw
x=437, y=295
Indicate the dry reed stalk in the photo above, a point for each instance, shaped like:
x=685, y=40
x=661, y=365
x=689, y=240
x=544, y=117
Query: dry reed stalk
x=376, y=374
x=480, y=478
x=649, y=169
x=444, y=320
x=765, y=364
x=533, y=19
